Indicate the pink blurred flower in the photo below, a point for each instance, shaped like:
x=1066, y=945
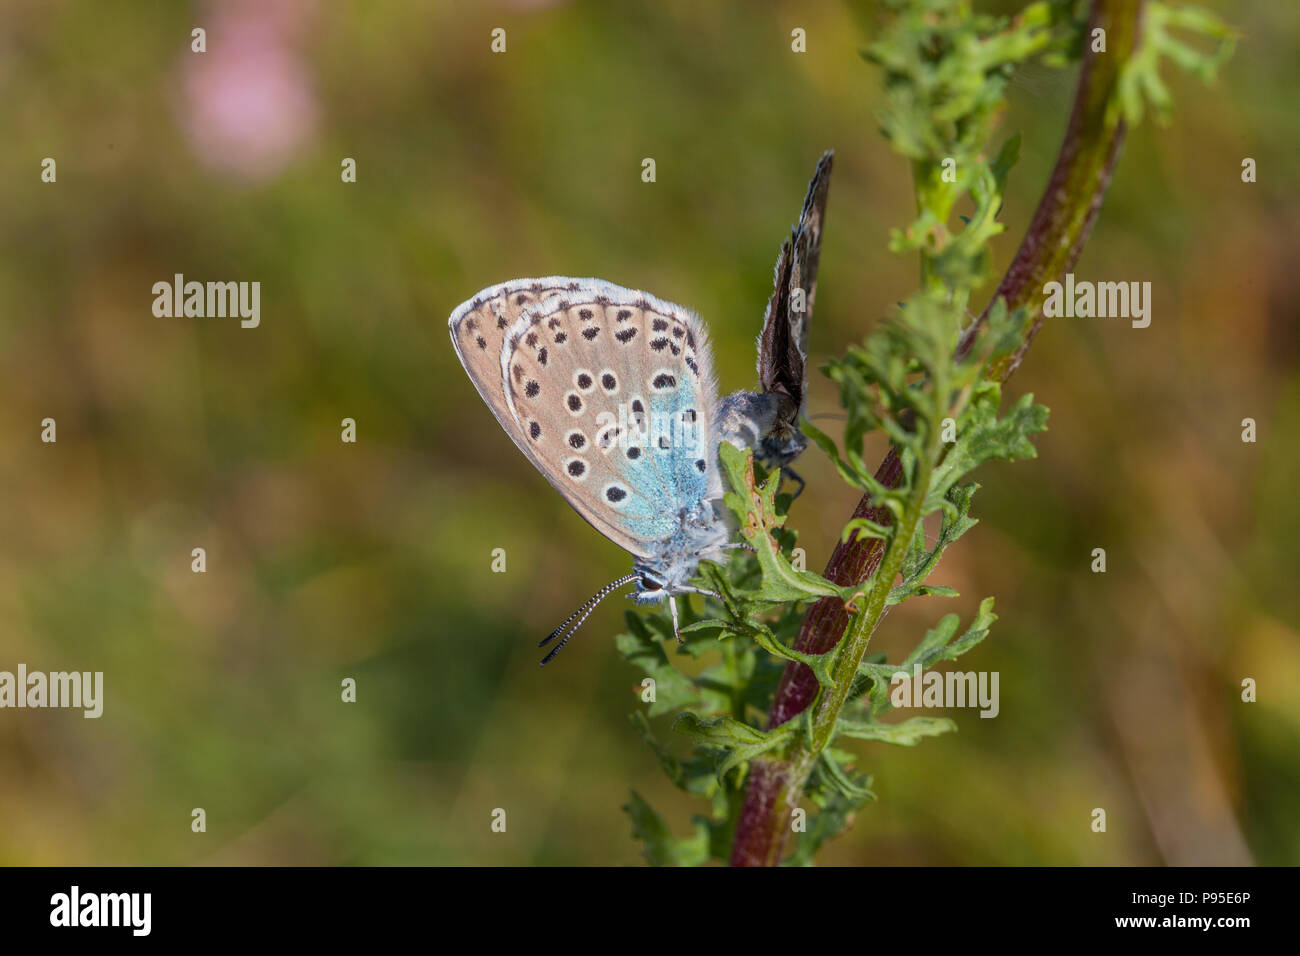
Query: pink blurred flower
x=249, y=104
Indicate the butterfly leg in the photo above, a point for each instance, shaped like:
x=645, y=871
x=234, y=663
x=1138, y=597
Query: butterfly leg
x=672, y=604
x=691, y=589
x=729, y=546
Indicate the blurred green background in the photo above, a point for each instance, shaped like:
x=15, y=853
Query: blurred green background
x=373, y=561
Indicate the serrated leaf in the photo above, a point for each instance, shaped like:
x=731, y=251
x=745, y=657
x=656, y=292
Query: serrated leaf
x=693, y=775
x=985, y=437
x=673, y=690
x=906, y=733
x=755, y=507
x=921, y=560
x=737, y=740
x=661, y=847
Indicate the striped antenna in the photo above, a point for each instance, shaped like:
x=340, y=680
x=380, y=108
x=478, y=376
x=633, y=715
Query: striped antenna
x=581, y=614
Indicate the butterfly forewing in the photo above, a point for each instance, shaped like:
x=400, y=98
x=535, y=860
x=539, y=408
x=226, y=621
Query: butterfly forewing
x=478, y=331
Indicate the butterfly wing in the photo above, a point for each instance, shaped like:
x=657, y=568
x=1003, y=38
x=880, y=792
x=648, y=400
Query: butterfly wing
x=609, y=392
x=478, y=331
x=783, y=344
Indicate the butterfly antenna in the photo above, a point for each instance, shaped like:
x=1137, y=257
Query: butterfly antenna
x=582, y=613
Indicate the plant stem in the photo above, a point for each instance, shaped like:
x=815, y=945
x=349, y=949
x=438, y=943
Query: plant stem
x=1056, y=235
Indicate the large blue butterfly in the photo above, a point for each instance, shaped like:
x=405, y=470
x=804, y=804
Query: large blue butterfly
x=610, y=393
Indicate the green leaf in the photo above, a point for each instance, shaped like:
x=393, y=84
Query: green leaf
x=673, y=690
x=939, y=644
x=1140, y=84
x=921, y=560
x=755, y=508
x=836, y=816
x=1007, y=157
x=694, y=775
x=661, y=847
x=738, y=741
x=982, y=437
x=907, y=733
x=836, y=776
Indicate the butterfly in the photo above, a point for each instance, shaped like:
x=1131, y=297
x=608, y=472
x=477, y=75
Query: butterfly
x=610, y=393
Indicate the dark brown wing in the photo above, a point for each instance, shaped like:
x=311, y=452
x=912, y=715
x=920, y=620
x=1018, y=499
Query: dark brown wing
x=783, y=344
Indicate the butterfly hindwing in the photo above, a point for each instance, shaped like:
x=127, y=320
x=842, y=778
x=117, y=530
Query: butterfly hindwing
x=609, y=392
